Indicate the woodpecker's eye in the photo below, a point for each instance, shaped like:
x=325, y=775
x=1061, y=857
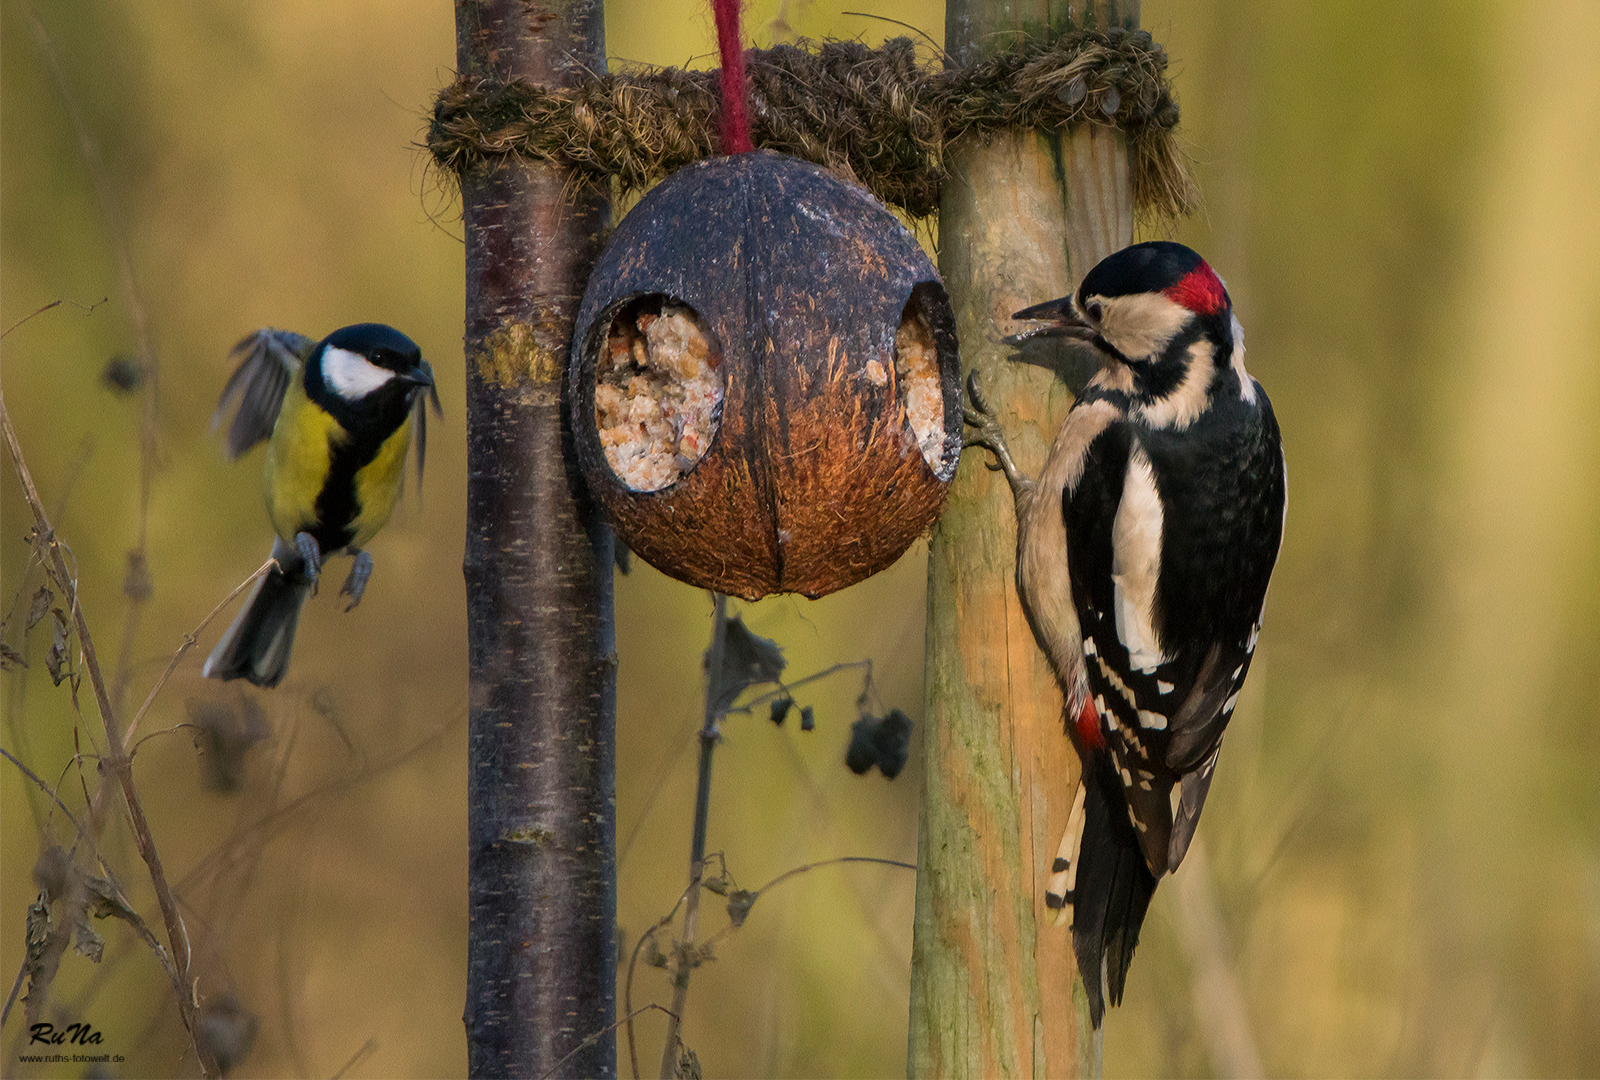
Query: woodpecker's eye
x=1093, y=310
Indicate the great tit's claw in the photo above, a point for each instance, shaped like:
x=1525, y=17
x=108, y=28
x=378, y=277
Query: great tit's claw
x=310, y=556
x=356, y=583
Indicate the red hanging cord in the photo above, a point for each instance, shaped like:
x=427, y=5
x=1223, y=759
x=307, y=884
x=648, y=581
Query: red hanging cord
x=735, y=88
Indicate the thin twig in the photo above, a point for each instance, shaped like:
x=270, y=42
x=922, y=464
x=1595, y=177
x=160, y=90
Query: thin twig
x=117, y=760
x=697, y=849
x=100, y=179
x=784, y=689
x=85, y=308
x=829, y=862
x=44, y=787
x=627, y=986
x=189, y=641
x=367, y=1048
x=173, y=730
x=602, y=1033
x=948, y=59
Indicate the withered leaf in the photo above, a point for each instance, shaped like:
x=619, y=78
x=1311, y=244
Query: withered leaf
x=688, y=1063
x=106, y=902
x=57, y=659
x=9, y=657
x=740, y=901
x=85, y=942
x=39, y=606
x=747, y=659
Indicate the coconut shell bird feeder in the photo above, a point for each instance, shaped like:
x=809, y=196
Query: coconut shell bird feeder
x=765, y=380
x=764, y=373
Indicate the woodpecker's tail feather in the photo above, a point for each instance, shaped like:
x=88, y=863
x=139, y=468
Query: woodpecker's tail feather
x=256, y=647
x=1111, y=890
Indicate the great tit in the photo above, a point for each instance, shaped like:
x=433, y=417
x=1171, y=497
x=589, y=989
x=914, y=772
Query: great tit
x=339, y=415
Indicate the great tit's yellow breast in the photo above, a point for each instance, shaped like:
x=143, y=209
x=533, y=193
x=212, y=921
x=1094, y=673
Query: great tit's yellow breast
x=377, y=485
x=299, y=458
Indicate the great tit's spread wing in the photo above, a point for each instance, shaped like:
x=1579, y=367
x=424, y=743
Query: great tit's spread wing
x=268, y=359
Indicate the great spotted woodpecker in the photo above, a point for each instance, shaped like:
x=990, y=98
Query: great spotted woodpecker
x=1143, y=553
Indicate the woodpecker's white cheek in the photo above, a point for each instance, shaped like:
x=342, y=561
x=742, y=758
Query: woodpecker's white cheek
x=351, y=375
x=1141, y=325
x=1136, y=562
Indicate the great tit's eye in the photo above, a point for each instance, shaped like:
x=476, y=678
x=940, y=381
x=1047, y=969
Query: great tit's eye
x=1093, y=310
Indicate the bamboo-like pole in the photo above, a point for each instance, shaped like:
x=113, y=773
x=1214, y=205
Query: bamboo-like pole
x=994, y=989
x=541, y=650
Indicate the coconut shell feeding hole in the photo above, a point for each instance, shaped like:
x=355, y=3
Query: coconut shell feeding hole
x=764, y=380
x=658, y=392
x=916, y=368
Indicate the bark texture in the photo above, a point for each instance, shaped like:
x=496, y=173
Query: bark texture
x=541, y=816
x=994, y=989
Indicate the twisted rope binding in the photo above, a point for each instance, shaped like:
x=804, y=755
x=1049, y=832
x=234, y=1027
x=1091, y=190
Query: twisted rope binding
x=873, y=114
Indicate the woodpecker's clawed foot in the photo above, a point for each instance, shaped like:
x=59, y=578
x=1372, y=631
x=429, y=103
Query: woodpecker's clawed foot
x=356, y=583
x=987, y=433
x=310, y=556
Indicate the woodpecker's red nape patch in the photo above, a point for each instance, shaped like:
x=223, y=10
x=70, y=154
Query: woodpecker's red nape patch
x=1089, y=727
x=1200, y=290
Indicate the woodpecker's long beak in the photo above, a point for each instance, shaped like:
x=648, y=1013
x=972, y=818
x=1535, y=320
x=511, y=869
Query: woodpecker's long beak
x=1059, y=319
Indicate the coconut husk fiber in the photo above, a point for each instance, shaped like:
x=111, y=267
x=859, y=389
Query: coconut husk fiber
x=875, y=115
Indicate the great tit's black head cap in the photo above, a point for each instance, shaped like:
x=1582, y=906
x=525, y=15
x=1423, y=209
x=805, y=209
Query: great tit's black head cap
x=1160, y=266
x=383, y=345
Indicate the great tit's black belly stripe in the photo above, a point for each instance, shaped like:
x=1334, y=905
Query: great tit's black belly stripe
x=336, y=505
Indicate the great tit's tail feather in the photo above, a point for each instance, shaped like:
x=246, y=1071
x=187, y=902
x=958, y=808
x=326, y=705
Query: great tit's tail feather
x=257, y=645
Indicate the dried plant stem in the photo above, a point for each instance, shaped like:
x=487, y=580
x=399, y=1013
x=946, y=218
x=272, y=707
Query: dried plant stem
x=787, y=874
x=633, y=962
x=100, y=178
x=602, y=1033
x=190, y=639
x=116, y=760
x=697, y=848
x=41, y=785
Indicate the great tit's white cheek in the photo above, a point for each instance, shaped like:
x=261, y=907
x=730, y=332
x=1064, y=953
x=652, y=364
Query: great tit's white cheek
x=351, y=375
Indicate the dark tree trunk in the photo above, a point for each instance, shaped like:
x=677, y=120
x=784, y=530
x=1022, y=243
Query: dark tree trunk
x=541, y=789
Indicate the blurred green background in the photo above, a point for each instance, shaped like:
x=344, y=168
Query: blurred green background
x=1405, y=834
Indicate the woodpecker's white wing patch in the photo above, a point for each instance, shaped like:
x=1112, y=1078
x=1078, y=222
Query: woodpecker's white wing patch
x=1136, y=562
x=351, y=375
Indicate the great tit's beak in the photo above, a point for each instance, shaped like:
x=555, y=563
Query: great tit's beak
x=1060, y=319
x=420, y=376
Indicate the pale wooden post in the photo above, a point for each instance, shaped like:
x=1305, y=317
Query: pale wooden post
x=994, y=988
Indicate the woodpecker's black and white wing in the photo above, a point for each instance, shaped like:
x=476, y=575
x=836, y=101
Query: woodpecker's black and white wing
x=1174, y=542
x=268, y=359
